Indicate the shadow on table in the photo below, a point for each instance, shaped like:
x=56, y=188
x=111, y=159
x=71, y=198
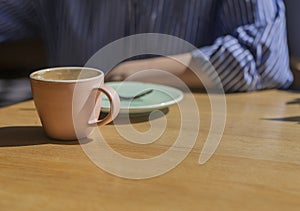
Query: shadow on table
x=26, y=136
x=126, y=118
x=296, y=101
x=285, y=119
x=288, y=119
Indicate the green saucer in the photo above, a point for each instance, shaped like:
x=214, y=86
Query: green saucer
x=160, y=97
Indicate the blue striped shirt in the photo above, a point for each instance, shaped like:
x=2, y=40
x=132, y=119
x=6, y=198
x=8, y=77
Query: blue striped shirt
x=245, y=40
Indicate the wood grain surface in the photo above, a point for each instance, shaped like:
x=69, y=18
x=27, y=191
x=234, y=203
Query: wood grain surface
x=256, y=166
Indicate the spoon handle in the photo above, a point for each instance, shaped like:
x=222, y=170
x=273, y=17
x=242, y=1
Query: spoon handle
x=136, y=96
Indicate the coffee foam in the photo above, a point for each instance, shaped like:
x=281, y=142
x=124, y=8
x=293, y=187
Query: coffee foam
x=65, y=74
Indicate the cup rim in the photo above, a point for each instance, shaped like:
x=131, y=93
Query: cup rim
x=66, y=81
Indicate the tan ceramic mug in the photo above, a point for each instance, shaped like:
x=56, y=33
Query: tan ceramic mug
x=68, y=100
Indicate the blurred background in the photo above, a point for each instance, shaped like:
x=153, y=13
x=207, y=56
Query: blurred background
x=18, y=59
x=293, y=17
x=293, y=32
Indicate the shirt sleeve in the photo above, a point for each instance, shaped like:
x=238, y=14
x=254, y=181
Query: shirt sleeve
x=251, y=53
x=17, y=20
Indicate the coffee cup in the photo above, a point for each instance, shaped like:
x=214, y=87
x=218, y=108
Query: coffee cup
x=68, y=101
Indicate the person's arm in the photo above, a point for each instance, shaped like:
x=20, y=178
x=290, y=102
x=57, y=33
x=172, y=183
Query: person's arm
x=251, y=53
x=17, y=20
x=144, y=70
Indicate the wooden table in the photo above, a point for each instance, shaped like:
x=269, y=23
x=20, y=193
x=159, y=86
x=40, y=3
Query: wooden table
x=255, y=167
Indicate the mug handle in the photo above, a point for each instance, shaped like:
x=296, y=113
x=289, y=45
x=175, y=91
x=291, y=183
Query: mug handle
x=114, y=101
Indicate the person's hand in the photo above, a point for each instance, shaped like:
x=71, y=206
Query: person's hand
x=127, y=70
x=162, y=70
